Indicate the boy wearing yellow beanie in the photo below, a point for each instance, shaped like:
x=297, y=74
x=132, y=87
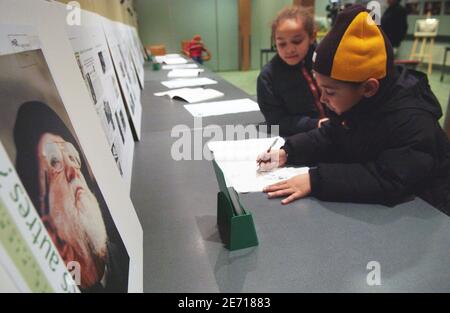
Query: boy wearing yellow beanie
x=383, y=142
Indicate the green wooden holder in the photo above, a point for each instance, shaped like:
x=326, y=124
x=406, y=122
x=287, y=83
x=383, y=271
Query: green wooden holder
x=235, y=223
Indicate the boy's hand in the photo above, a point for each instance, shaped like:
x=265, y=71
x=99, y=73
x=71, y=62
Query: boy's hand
x=294, y=188
x=321, y=121
x=268, y=161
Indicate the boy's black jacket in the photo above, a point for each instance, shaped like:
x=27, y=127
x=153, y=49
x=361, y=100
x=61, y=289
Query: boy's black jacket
x=284, y=96
x=384, y=149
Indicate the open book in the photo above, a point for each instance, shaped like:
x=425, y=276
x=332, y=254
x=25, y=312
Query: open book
x=191, y=94
x=185, y=72
x=170, y=59
x=237, y=160
x=215, y=108
x=188, y=82
x=179, y=66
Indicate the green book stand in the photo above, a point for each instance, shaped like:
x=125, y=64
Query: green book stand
x=235, y=223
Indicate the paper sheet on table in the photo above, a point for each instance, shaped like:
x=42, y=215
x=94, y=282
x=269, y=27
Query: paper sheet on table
x=170, y=59
x=237, y=160
x=191, y=95
x=179, y=66
x=184, y=72
x=188, y=82
x=222, y=107
x=172, y=55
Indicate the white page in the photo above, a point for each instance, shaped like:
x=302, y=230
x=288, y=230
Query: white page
x=22, y=232
x=172, y=55
x=138, y=43
x=78, y=111
x=222, y=107
x=175, y=61
x=162, y=58
x=245, y=177
x=188, y=82
x=159, y=58
x=11, y=282
x=126, y=75
x=191, y=94
x=96, y=67
x=237, y=160
x=170, y=61
x=132, y=49
x=184, y=72
x=179, y=66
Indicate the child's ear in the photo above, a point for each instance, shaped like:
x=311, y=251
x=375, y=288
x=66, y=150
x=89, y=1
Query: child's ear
x=371, y=87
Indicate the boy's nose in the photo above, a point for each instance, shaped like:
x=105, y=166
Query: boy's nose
x=323, y=98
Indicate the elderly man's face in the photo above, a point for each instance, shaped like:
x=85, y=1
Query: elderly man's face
x=60, y=163
x=72, y=207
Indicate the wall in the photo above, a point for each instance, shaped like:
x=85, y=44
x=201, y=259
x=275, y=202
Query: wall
x=171, y=21
x=166, y=21
x=263, y=12
x=228, y=37
x=405, y=48
x=319, y=7
x=444, y=30
x=116, y=10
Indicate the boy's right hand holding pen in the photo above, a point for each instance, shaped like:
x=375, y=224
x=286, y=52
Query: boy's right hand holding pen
x=271, y=159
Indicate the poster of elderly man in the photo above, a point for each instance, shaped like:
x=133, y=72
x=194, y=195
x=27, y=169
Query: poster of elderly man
x=40, y=140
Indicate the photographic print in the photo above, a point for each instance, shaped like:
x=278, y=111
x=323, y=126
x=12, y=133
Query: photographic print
x=132, y=47
x=120, y=128
x=102, y=61
x=126, y=74
x=26, y=249
x=40, y=140
x=92, y=54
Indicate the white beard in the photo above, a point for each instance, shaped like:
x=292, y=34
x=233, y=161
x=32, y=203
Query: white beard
x=92, y=221
x=80, y=224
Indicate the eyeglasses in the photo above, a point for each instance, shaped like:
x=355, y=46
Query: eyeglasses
x=54, y=154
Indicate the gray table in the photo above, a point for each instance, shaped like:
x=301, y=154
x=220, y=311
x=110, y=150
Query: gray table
x=308, y=245
x=161, y=113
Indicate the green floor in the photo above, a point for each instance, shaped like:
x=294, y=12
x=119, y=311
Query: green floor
x=247, y=82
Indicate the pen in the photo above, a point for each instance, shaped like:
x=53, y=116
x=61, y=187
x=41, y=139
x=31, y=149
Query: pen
x=268, y=150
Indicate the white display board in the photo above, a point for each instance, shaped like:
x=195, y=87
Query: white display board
x=95, y=63
x=138, y=42
x=126, y=73
x=27, y=252
x=80, y=118
x=427, y=27
x=7, y=285
x=39, y=136
x=126, y=35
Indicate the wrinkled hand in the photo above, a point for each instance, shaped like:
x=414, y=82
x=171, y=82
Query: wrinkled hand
x=294, y=188
x=270, y=160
